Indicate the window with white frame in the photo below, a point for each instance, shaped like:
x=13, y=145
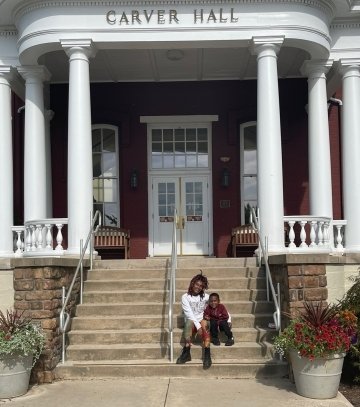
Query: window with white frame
x=185, y=147
x=248, y=169
x=106, y=173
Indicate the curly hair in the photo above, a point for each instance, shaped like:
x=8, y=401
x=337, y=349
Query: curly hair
x=204, y=281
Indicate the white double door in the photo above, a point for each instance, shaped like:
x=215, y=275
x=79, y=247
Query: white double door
x=190, y=195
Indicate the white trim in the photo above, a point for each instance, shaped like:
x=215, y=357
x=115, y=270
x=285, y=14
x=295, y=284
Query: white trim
x=179, y=119
x=188, y=121
x=117, y=153
x=243, y=126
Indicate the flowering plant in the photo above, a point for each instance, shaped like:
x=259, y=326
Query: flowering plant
x=19, y=336
x=318, y=331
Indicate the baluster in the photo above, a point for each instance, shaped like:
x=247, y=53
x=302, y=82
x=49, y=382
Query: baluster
x=291, y=233
x=313, y=224
x=326, y=235
x=320, y=234
x=49, y=238
x=59, y=237
x=303, y=233
x=19, y=243
x=339, y=239
x=33, y=237
x=28, y=238
x=39, y=237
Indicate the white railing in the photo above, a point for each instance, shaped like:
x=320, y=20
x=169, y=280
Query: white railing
x=41, y=237
x=172, y=287
x=315, y=234
x=269, y=283
x=64, y=318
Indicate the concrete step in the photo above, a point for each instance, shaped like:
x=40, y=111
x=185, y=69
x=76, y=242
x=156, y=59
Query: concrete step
x=160, y=321
x=158, y=351
x=152, y=308
x=162, y=284
x=183, y=262
x=143, y=336
x=161, y=296
x=213, y=272
x=241, y=369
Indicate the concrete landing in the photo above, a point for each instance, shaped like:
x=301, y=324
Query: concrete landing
x=174, y=392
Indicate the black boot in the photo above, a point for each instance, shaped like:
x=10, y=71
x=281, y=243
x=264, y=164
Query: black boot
x=207, y=358
x=185, y=356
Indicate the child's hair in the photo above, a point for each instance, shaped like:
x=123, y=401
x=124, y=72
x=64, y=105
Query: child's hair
x=203, y=279
x=215, y=295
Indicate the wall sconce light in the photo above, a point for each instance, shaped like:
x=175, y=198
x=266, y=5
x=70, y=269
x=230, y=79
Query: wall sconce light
x=134, y=182
x=225, y=178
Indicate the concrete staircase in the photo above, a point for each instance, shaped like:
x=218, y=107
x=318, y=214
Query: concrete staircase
x=121, y=329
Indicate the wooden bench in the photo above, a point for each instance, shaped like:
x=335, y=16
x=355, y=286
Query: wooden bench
x=244, y=236
x=112, y=242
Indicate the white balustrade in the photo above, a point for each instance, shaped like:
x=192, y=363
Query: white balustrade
x=36, y=238
x=313, y=234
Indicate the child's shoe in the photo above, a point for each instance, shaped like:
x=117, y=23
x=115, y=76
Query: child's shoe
x=229, y=342
x=216, y=342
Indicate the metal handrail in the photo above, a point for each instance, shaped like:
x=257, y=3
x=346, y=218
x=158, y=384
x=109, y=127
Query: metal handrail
x=64, y=316
x=269, y=282
x=172, y=286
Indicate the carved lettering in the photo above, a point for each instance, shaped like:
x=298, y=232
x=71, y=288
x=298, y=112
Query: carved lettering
x=135, y=16
x=232, y=18
x=221, y=19
x=212, y=16
x=148, y=16
x=123, y=19
x=173, y=16
x=161, y=19
x=111, y=17
x=198, y=16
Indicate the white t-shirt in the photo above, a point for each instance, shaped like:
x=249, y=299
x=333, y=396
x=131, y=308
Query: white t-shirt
x=193, y=307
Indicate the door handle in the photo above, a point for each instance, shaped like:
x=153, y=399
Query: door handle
x=180, y=222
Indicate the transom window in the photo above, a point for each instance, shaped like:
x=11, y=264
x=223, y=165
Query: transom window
x=248, y=170
x=106, y=173
x=179, y=148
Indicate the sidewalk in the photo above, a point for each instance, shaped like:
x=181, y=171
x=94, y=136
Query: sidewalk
x=174, y=392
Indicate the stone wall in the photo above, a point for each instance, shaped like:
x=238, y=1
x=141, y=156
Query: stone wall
x=304, y=277
x=38, y=292
x=6, y=285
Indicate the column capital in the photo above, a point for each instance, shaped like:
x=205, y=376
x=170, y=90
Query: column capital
x=349, y=67
x=34, y=72
x=84, y=46
x=259, y=44
x=316, y=68
x=6, y=74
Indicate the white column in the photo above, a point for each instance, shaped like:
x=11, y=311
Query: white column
x=49, y=114
x=34, y=143
x=270, y=177
x=6, y=164
x=320, y=187
x=350, y=143
x=80, y=191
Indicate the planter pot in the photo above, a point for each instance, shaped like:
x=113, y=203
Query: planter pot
x=318, y=378
x=14, y=375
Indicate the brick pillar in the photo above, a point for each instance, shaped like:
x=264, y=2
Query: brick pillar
x=299, y=283
x=38, y=291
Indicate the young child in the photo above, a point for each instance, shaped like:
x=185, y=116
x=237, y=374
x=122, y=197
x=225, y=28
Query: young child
x=193, y=304
x=220, y=320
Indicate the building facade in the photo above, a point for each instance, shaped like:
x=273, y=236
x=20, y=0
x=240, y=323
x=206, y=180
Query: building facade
x=140, y=108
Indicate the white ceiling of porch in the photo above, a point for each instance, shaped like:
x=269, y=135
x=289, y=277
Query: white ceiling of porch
x=174, y=65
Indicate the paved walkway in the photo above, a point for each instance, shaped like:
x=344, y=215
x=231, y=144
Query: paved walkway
x=174, y=392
